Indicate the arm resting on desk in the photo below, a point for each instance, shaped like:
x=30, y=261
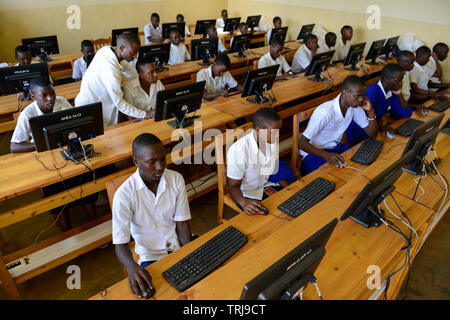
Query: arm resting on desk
x=22, y=147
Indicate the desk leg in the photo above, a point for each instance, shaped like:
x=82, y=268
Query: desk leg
x=7, y=282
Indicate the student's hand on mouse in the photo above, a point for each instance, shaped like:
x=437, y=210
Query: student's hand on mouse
x=422, y=109
x=225, y=92
x=139, y=280
x=150, y=114
x=388, y=130
x=335, y=159
x=252, y=206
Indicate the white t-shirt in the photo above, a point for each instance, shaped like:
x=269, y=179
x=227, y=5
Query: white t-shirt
x=220, y=24
x=150, y=219
x=178, y=54
x=323, y=47
x=135, y=95
x=267, y=61
x=22, y=132
x=420, y=76
x=102, y=82
x=327, y=124
x=342, y=49
x=302, y=59
x=406, y=86
x=246, y=162
x=215, y=84
x=79, y=68
x=152, y=32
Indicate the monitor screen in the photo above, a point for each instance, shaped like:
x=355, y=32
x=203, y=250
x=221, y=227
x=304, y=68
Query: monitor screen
x=202, y=47
x=375, y=49
x=319, y=62
x=390, y=45
x=253, y=21
x=178, y=26
x=280, y=32
x=241, y=42
x=202, y=25
x=258, y=81
x=157, y=53
x=48, y=44
x=306, y=29
x=354, y=55
x=231, y=24
x=17, y=79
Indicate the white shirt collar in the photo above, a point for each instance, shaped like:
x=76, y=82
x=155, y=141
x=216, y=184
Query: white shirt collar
x=140, y=184
x=386, y=95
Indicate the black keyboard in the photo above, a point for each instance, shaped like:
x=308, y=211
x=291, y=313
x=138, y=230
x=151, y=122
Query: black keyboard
x=440, y=106
x=307, y=197
x=368, y=152
x=407, y=128
x=206, y=258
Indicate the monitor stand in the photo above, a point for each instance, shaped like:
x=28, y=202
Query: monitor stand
x=205, y=62
x=44, y=57
x=161, y=68
x=241, y=54
x=373, y=62
x=74, y=151
x=181, y=121
x=258, y=98
x=415, y=167
x=369, y=218
x=353, y=67
x=291, y=291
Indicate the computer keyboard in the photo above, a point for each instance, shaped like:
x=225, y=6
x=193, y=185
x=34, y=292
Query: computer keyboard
x=406, y=129
x=307, y=197
x=368, y=152
x=440, y=106
x=205, y=259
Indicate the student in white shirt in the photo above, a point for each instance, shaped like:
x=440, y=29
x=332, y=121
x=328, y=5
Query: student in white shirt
x=277, y=23
x=80, y=65
x=243, y=29
x=220, y=22
x=305, y=53
x=152, y=207
x=218, y=79
x=45, y=102
x=440, y=53
x=211, y=32
x=274, y=57
x=180, y=18
x=253, y=163
x=178, y=51
x=102, y=80
x=141, y=92
x=152, y=31
x=321, y=141
x=328, y=44
x=23, y=56
x=344, y=42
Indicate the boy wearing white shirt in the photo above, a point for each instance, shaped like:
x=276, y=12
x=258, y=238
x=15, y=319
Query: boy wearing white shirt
x=152, y=207
x=343, y=43
x=253, y=163
x=321, y=141
x=305, y=53
x=274, y=57
x=218, y=79
x=243, y=29
x=180, y=18
x=328, y=44
x=220, y=22
x=211, y=32
x=80, y=65
x=141, y=92
x=102, y=80
x=178, y=51
x=152, y=31
x=23, y=56
x=440, y=53
x=277, y=23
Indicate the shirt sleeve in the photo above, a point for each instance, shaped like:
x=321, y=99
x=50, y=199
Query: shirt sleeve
x=187, y=56
x=122, y=214
x=182, y=211
x=397, y=107
x=76, y=74
x=316, y=123
x=128, y=95
x=360, y=118
x=286, y=66
x=23, y=130
x=235, y=164
x=230, y=80
x=300, y=61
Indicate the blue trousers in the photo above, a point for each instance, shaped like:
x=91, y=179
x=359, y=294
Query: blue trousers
x=311, y=162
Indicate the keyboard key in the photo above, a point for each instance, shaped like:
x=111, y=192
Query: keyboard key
x=368, y=152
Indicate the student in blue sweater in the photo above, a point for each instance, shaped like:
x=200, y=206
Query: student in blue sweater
x=385, y=96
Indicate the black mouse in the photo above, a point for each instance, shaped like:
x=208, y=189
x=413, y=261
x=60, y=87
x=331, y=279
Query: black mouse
x=150, y=293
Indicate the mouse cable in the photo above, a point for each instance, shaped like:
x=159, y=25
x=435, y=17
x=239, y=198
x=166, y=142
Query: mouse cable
x=353, y=168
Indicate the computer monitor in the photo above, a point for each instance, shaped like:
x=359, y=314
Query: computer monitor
x=42, y=46
x=231, y=24
x=283, y=279
x=157, y=53
x=204, y=49
x=117, y=32
x=177, y=102
x=178, y=26
x=280, y=32
x=364, y=209
x=241, y=43
x=306, y=29
x=318, y=64
x=68, y=128
x=201, y=26
x=374, y=51
x=389, y=46
x=253, y=22
x=420, y=141
x=17, y=79
x=258, y=81
x=354, y=55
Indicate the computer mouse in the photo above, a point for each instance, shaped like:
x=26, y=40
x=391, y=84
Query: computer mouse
x=424, y=111
x=150, y=293
x=390, y=135
x=263, y=211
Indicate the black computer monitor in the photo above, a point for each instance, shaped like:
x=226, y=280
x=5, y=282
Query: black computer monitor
x=364, y=209
x=306, y=29
x=389, y=46
x=17, y=79
x=177, y=102
x=258, y=81
x=201, y=26
x=318, y=64
x=241, y=43
x=231, y=24
x=374, y=51
x=204, y=49
x=117, y=32
x=283, y=279
x=159, y=54
x=354, y=55
x=420, y=141
x=42, y=46
x=178, y=26
x=66, y=128
x=253, y=22
x=280, y=32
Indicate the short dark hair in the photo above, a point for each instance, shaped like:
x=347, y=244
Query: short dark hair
x=143, y=140
x=263, y=116
x=21, y=49
x=309, y=37
x=330, y=35
x=352, y=81
x=209, y=27
x=128, y=38
x=346, y=27
x=154, y=15
x=423, y=50
x=390, y=70
x=405, y=54
x=276, y=41
x=275, y=19
x=242, y=24
x=141, y=63
x=440, y=46
x=39, y=82
x=173, y=31
x=222, y=59
x=86, y=44
x=224, y=11
x=180, y=16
